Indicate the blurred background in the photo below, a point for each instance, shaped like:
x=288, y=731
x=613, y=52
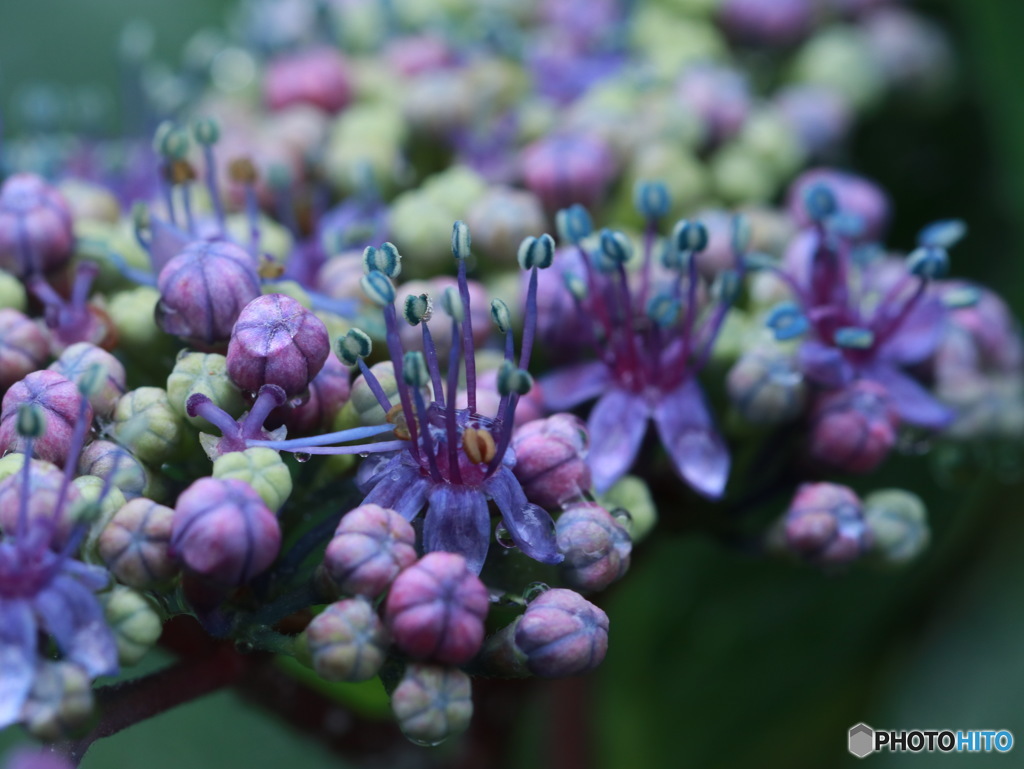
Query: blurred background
x=718, y=659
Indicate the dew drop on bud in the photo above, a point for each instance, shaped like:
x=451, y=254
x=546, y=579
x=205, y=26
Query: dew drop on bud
x=301, y=457
x=535, y=590
x=623, y=516
x=504, y=537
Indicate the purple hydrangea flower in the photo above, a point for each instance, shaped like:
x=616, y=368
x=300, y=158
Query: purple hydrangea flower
x=36, y=233
x=652, y=337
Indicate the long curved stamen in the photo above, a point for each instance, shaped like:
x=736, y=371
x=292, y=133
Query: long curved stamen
x=374, y=385
x=433, y=365
x=449, y=415
x=428, y=439
x=467, y=338
x=74, y=450
x=269, y=398
x=186, y=204
x=890, y=322
x=167, y=191
x=25, y=481
x=363, y=448
x=691, y=306
x=341, y=436
x=252, y=214
x=395, y=351
x=650, y=233
x=84, y=277
x=213, y=186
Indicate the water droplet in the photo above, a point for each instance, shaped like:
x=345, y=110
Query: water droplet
x=364, y=454
x=623, y=517
x=535, y=590
x=245, y=647
x=504, y=537
x=301, y=456
x=423, y=743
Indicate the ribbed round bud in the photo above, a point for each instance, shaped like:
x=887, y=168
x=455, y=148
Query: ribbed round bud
x=134, y=621
x=551, y=459
x=364, y=402
x=825, y=525
x=432, y=703
x=565, y=170
x=77, y=363
x=277, y=341
x=346, y=641
x=104, y=458
x=371, y=546
x=147, y=425
x=319, y=77
x=203, y=289
x=898, y=522
x=436, y=608
x=36, y=233
x=134, y=544
x=261, y=468
x=562, y=634
x=205, y=373
x=60, y=702
x=766, y=387
x=60, y=402
x=44, y=490
x=501, y=218
x=853, y=429
x=24, y=346
x=596, y=547
x=222, y=530
x=97, y=504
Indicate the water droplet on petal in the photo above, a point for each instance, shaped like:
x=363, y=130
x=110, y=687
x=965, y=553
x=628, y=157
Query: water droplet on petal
x=535, y=590
x=504, y=537
x=364, y=454
x=301, y=457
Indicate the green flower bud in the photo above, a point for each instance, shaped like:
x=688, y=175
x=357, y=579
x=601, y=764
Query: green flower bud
x=60, y=702
x=631, y=493
x=363, y=400
x=12, y=292
x=135, y=622
x=206, y=374
x=346, y=642
x=261, y=468
x=898, y=522
x=432, y=703
x=147, y=425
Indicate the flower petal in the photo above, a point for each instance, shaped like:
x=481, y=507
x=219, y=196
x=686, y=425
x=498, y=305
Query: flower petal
x=919, y=334
x=17, y=659
x=403, y=489
x=531, y=527
x=167, y=241
x=458, y=522
x=72, y=614
x=617, y=425
x=912, y=402
x=824, y=365
x=698, y=452
x=573, y=385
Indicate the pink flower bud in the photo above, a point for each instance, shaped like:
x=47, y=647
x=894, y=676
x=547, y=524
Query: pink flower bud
x=853, y=429
x=596, y=547
x=76, y=362
x=24, y=346
x=222, y=530
x=551, y=459
x=328, y=393
x=319, y=77
x=35, y=226
x=562, y=634
x=347, y=641
x=134, y=544
x=563, y=170
x=277, y=341
x=436, y=609
x=825, y=524
x=61, y=404
x=370, y=547
x=45, y=506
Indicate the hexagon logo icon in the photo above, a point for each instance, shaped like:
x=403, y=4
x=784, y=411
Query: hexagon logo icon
x=862, y=740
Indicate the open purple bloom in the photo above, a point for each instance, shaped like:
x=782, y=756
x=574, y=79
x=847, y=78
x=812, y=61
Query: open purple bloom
x=865, y=318
x=652, y=334
x=452, y=461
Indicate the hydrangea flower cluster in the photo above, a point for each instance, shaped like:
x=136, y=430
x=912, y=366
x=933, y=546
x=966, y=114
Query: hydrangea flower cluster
x=230, y=405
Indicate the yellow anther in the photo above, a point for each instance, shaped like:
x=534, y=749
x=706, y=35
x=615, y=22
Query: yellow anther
x=396, y=417
x=478, y=445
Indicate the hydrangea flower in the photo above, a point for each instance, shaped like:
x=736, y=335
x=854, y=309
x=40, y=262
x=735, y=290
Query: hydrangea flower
x=652, y=333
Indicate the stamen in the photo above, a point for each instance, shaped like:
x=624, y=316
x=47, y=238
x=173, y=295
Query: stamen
x=478, y=445
x=449, y=414
x=320, y=441
x=206, y=133
x=270, y=397
x=244, y=172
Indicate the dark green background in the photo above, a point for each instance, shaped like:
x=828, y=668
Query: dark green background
x=716, y=659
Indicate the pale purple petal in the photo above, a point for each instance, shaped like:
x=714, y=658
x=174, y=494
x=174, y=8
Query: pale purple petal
x=918, y=335
x=698, y=452
x=403, y=489
x=824, y=365
x=617, y=425
x=912, y=402
x=166, y=242
x=531, y=527
x=573, y=385
x=74, y=618
x=17, y=658
x=458, y=522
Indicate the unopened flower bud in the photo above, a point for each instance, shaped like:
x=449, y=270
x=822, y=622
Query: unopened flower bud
x=766, y=387
x=364, y=402
x=36, y=233
x=222, y=530
x=277, y=341
x=44, y=494
x=134, y=621
x=203, y=289
x=134, y=544
x=24, y=346
x=562, y=634
x=898, y=523
x=261, y=468
x=60, y=702
x=319, y=77
x=207, y=374
x=825, y=525
x=596, y=547
x=60, y=402
x=104, y=458
x=371, y=546
x=432, y=703
x=501, y=218
x=551, y=459
x=147, y=425
x=97, y=503
x=79, y=361
x=565, y=170
x=328, y=393
x=853, y=429
x=436, y=608
x=347, y=641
